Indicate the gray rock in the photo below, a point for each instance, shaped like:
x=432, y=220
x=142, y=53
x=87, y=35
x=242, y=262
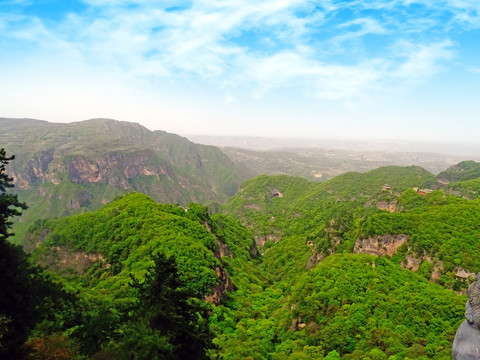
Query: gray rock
x=466, y=345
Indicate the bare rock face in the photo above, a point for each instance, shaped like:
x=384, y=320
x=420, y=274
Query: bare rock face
x=437, y=271
x=35, y=170
x=411, y=263
x=316, y=258
x=219, y=292
x=380, y=245
x=62, y=259
x=389, y=206
x=82, y=171
x=112, y=168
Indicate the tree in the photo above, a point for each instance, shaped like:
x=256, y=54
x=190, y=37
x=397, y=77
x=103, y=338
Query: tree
x=169, y=322
x=28, y=295
x=9, y=203
x=16, y=301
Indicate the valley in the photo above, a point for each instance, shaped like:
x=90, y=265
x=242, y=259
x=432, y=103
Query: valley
x=138, y=230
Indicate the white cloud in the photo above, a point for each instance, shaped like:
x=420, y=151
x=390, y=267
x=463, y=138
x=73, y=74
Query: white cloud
x=421, y=61
x=147, y=40
x=474, y=69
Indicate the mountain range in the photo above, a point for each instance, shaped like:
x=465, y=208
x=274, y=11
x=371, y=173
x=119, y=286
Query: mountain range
x=63, y=169
x=363, y=265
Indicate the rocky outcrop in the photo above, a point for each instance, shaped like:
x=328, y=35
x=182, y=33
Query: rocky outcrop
x=35, y=170
x=380, y=245
x=113, y=168
x=62, y=260
x=219, y=292
x=437, y=271
x=223, y=250
x=316, y=258
x=262, y=239
x=411, y=263
x=388, y=206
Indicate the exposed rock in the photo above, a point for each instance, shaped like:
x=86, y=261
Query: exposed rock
x=114, y=168
x=35, y=170
x=82, y=171
x=261, y=240
x=254, y=249
x=219, y=292
x=437, y=271
x=275, y=193
x=389, y=206
x=411, y=263
x=380, y=245
x=315, y=259
x=61, y=259
x=223, y=249
x=81, y=199
x=297, y=324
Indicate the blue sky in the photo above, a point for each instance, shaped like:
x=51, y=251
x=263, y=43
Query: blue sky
x=359, y=69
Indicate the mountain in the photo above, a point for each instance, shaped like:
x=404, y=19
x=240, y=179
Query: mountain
x=63, y=169
x=465, y=170
x=110, y=257
x=263, y=307
x=384, y=212
x=462, y=179
x=364, y=265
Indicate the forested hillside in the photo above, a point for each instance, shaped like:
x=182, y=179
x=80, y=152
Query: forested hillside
x=65, y=169
x=145, y=276
x=363, y=266
x=263, y=307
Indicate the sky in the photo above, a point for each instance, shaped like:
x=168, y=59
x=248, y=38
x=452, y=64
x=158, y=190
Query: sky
x=358, y=69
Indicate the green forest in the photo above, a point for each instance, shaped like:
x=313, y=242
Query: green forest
x=287, y=268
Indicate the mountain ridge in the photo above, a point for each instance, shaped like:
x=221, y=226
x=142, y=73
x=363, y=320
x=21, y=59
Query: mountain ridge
x=79, y=166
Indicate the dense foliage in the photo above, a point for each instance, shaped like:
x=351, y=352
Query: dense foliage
x=29, y=295
x=61, y=170
x=298, y=292
x=154, y=264
x=358, y=306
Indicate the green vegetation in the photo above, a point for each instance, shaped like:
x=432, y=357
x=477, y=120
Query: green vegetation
x=357, y=306
x=465, y=170
x=29, y=295
x=277, y=274
x=60, y=171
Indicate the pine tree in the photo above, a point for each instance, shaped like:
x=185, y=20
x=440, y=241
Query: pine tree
x=9, y=203
x=171, y=323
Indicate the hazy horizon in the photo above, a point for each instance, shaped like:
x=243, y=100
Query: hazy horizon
x=362, y=70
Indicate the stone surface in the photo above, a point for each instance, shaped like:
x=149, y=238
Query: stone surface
x=466, y=345
x=380, y=245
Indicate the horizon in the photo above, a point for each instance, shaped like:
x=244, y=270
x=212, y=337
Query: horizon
x=466, y=151
x=406, y=70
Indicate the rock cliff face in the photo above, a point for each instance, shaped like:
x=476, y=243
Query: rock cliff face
x=63, y=169
x=380, y=245
x=112, y=168
x=64, y=260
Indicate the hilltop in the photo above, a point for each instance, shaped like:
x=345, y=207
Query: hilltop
x=64, y=169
